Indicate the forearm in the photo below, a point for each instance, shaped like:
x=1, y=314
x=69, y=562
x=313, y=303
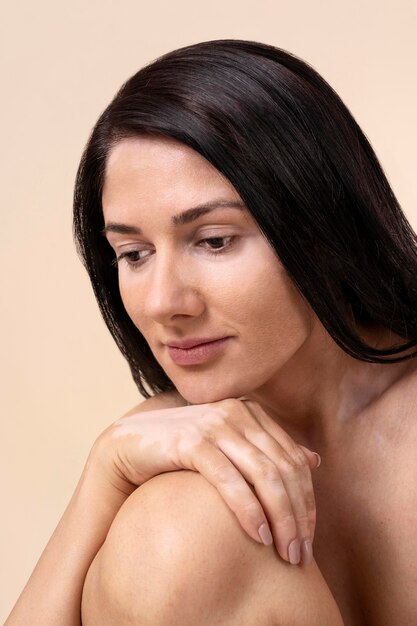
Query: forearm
x=52, y=594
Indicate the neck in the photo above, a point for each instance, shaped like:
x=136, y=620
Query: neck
x=322, y=389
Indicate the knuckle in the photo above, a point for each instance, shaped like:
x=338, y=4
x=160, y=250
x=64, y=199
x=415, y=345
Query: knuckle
x=234, y=408
x=258, y=436
x=229, y=404
x=252, y=508
x=292, y=469
x=209, y=437
x=285, y=520
x=299, y=457
x=198, y=441
x=286, y=466
x=266, y=469
x=224, y=474
x=302, y=518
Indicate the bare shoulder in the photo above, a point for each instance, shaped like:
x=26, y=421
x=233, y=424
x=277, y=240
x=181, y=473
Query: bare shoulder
x=176, y=554
x=394, y=419
x=395, y=439
x=377, y=512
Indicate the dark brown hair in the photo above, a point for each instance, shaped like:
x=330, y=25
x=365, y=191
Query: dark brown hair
x=301, y=164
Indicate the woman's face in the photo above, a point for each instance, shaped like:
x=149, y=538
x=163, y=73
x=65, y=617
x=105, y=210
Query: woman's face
x=174, y=285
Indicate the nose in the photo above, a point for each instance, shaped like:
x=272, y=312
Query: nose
x=173, y=288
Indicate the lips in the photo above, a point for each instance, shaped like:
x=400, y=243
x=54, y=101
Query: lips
x=199, y=354
x=191, y=342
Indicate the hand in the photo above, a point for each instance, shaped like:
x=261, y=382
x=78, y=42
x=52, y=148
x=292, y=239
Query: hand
x=261, y=473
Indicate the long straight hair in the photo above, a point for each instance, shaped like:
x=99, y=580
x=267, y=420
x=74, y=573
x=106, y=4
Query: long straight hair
x=302, y=166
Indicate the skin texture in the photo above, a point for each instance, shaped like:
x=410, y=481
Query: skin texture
x=152, y=572
x=359, y=416
x=280, y=355
x=180, y=290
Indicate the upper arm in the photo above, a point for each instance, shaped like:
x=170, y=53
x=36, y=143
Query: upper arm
x=175, y=554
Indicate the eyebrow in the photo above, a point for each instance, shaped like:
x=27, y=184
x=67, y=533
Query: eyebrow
x=185, y=217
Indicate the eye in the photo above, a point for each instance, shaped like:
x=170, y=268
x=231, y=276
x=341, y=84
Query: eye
x=133, y=259
x=129, y=258
x=218, y=250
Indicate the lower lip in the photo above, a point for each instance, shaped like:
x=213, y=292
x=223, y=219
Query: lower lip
x=198, y=354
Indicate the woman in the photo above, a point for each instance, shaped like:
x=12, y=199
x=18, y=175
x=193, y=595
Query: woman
x=305, y=318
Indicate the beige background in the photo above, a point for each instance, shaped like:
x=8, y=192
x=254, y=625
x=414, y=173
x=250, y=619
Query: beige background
x=62, y=377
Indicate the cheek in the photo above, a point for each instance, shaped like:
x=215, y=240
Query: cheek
x=251, y=293
x=272, y=312
x=130, y=294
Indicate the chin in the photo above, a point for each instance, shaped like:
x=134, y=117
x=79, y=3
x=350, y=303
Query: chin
x=207, y=396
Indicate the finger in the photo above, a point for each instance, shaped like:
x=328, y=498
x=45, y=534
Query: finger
x=297, y=481
x=274, y=465
x=261, y=472
x=295, y=468
x=217, y=468
x=296, y=474
x=279, y=433
x=313, y=458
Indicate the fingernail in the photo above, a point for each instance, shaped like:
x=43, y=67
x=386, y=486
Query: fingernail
x=307, y=552
x=294, y=552
x=265, y=535
x=318, y=459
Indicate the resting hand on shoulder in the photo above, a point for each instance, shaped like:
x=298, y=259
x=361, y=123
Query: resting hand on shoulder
x=259, y=470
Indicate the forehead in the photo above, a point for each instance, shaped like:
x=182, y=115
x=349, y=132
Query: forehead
x=148, y=152
x=149, y=169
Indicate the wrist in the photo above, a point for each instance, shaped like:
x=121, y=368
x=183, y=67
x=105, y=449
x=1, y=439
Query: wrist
x=102, y=473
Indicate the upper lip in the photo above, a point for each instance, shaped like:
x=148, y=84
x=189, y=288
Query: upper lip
x=191, y=342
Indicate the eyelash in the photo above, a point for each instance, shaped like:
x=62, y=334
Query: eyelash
x=125, y=256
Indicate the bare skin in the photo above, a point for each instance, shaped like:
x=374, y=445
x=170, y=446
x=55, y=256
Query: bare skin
x=363, y=543
x=175, y=555
x=366, y=511
x=360, y=417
